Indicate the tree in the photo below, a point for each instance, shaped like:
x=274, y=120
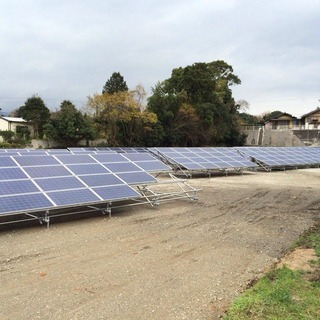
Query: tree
x=7, y=135
x=69, y=126
x=200, y=96
x=271, y=115
x=116, y=83
x=247, y=119
x=119, y=119
x=35, y=110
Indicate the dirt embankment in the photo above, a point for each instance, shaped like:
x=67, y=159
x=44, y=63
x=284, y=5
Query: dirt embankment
x=181, y=260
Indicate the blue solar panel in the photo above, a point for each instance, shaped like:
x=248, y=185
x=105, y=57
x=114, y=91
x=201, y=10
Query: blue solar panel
x=58, y=151
x=280, y=156
x=192, y=166
x=12, y=174
x=109, y=157
x=7, y=162
x=35, y=160
x=116, y=192
x=136, y=177
x=122, y=167
x=69, y=197
x=152, y=166
x=101, y=180
x=8, y=154
x=204, y=158
x=47, y=171
x=17, y=187
x=139, y=157
x=73, y=159
x=23, y=202
x=80, y=169
x=61, y=183
x=69, y=179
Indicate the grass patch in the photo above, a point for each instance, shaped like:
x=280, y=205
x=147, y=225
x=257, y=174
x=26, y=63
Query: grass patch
x=283, y=293
x=310, y=239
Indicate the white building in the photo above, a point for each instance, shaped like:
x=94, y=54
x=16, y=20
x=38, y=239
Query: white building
x=11, y=123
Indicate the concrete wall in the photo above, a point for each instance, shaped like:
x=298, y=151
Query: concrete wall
x=46, y=144
x=276, y=138
x=252, y=137
x=308, y=136
x=284, y=138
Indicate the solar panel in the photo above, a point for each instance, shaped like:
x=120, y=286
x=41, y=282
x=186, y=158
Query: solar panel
x=101, y=180
x=116, y=192
x=17, y=187
x=58, y=151
x=140, y=157
x=6, y=154
x=75, y=159
x=63, y=180
x=281, y=156
x=21, y=202
x=7, y=162
x=208, y=158
x=35, y=160
x=47, y=171
x=12, y=174
x=81, y=169
x=59, y=183
x=71, y=197
x=122, y=167
x=109, y=157
x=152, y=166
x=137, y=177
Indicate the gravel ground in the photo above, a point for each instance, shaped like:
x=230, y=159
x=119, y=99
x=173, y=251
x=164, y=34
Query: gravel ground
x=181, y=260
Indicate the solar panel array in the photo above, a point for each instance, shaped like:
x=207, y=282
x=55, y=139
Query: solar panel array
x=281, y=157
x=108, y=149
x=18, y=152
x=33, y=182
x=208, y=158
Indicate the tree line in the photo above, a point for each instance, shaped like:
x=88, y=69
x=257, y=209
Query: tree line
x=194, y=107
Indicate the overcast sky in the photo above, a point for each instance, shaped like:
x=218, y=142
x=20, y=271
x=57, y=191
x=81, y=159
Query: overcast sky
x=68, y=49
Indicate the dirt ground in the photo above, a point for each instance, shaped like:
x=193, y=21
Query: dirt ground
x=180, y=260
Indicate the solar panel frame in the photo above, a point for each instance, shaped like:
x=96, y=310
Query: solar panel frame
x=207, y=158
x=64, y=180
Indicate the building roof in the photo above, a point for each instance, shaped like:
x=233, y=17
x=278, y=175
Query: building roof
x=13, y=119
x=311, y=112
x=280, y=115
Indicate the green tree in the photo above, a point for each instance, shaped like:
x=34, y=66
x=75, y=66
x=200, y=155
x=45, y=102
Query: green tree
x=271, y=115
x=69, y=126
x=23, y=132
x=115, y=83
x=247, y=119
x=35, y=110
x=7, y=135
x=195, y=105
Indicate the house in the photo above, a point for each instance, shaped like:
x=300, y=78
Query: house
x=282, y=121
x=311, y=120
x=11, y=123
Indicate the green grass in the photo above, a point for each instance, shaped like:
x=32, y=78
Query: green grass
x=283, y=294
